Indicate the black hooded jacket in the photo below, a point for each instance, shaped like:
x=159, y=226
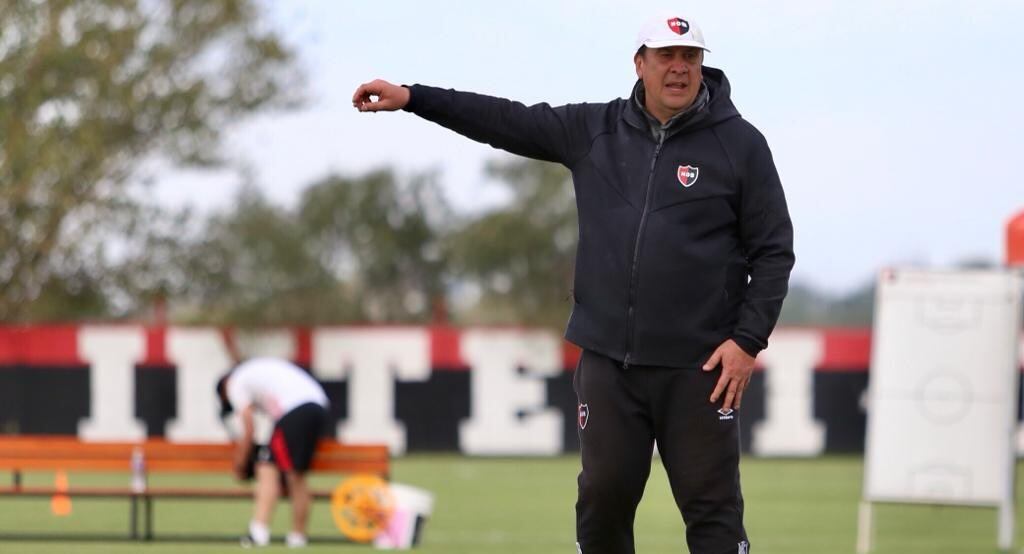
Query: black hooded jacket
x=684, y=242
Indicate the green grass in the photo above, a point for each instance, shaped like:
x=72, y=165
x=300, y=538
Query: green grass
x=517, y=506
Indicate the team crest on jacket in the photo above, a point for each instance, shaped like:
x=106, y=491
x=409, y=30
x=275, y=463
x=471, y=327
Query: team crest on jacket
x=687, y=175
x=678, y=25
x=584, y=415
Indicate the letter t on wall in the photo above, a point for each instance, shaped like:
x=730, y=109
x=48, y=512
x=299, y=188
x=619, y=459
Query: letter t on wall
x=371, y=360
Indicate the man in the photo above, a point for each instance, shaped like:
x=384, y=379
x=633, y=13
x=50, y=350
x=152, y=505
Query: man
x=297, y=405
x=684, y=255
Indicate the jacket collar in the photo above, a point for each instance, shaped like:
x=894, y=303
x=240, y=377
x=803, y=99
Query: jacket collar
x=718, y=108
x=682, y=120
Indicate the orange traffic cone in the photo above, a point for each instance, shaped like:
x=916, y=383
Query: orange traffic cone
x=60, y=503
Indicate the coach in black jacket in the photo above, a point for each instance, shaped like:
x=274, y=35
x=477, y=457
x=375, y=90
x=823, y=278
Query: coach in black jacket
x=685, y=250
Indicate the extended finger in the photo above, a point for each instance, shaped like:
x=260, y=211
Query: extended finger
x=363, y=99
x=742, y=389
x=371, y=106
x=723, y=380
x=712, y=362
x=362, y=94
x=729, y=396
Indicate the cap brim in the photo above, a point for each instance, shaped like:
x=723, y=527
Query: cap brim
x=674, y=42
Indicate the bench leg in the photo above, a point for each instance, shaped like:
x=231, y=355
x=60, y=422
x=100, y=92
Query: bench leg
x=149, y=518
x=134, y=518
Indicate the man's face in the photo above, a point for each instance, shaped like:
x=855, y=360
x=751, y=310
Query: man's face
x=671, y=78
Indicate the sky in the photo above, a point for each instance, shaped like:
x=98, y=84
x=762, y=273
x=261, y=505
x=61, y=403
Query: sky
x=896, y=125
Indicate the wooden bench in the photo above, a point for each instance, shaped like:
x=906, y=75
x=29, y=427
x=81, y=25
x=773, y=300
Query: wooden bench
x=20, y=453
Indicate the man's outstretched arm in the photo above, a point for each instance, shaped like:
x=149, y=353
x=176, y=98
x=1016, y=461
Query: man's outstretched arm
x=560, y=134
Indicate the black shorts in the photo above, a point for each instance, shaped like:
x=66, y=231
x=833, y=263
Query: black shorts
x=295, y=437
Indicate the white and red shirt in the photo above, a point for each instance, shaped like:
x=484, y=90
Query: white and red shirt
x=273, y=386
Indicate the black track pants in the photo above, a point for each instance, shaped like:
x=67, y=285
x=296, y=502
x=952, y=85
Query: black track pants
x=622, y=412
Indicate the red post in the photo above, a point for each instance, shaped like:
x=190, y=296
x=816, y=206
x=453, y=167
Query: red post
x=1015, y=241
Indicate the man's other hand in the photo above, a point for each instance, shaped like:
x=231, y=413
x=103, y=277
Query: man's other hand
x=389, y=97
x=737, y=366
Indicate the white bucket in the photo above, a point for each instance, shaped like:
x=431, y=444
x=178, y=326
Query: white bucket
x=413, y=507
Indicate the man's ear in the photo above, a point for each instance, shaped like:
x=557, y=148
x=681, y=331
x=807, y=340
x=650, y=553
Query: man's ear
x=638, y=60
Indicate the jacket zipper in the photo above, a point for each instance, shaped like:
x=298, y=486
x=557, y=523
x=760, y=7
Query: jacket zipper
x=636, y=255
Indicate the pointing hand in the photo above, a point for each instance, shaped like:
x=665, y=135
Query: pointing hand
x=389, y=97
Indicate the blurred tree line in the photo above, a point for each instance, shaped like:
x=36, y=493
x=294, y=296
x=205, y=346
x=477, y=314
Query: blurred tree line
x=93, y=91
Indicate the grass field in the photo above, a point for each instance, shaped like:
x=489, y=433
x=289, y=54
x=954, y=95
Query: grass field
x=517, y=506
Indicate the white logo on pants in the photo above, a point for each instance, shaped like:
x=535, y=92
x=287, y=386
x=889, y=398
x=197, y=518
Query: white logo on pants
x=743, y=547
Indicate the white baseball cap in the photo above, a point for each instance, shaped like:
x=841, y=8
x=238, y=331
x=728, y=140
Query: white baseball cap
x=664, y=31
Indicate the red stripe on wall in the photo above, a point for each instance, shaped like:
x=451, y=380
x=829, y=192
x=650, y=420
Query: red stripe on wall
x=56, y=345
x=156, y=349
x=8, y=354
x=445, y=348
x=846, y=350
x=570, y=356
x=304, y=347
x=45, y=345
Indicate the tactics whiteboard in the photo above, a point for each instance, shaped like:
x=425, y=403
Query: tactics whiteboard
x=943, y=387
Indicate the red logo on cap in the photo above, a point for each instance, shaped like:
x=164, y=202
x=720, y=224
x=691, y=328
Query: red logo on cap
x=678, y=25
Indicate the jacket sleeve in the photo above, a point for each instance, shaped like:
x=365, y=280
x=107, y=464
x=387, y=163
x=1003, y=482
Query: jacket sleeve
x=541, y=132
x=766, y=234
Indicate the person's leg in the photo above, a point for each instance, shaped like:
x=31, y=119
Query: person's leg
x=301, y=499
x=293, y=445
x=264, y=499
x=616, y=442
x=700, y=449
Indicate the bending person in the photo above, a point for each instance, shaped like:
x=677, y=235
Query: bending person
x=297, y=405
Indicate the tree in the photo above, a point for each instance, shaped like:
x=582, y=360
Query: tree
x=89, y=90
x=521, y=257
x=256, y=265
x=806, y=305
x=384, y=236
